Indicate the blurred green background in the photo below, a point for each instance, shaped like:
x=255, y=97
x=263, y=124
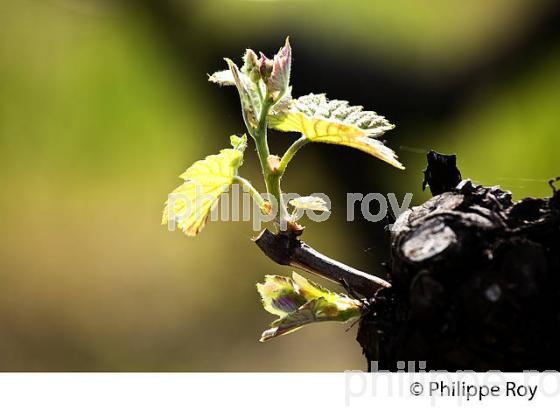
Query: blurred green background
x=104, y=103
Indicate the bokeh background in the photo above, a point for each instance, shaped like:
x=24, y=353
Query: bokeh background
x=104, y=103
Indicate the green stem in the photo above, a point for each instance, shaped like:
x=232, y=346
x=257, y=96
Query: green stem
x=252, y=191
x=290, y=153
x=273, y=186
x=259, y=91
x=271, y=177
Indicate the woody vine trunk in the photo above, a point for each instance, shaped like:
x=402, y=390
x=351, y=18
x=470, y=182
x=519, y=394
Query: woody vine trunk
x=475, y=281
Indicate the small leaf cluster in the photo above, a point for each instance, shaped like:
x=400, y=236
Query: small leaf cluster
x=266, y=100
x=298, y=302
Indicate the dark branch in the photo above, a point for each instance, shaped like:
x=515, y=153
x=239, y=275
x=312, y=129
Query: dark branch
x=441, y=174
x=287, y=250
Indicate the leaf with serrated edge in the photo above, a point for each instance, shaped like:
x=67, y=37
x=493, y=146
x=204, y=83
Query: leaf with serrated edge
x=312, y=203
x=298, y=302
x=335, y=122
x=310, y=290
x=294, y=321
x=279, y=295
x=204, y=182
x=223, y=78
x=238, y=143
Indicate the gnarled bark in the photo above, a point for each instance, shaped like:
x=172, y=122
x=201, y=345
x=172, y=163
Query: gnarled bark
x=476, y=283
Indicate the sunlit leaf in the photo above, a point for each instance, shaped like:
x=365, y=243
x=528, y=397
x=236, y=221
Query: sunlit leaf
x=312, y=203
x=279, y=296
x=238, y=143
x=223, y=78
x=335, y=122
x=310, y=290
x=189, y=204
x=298, y=302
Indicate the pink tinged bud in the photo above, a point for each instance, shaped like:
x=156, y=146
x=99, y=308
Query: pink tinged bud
x=279, y=79
x=265, y=67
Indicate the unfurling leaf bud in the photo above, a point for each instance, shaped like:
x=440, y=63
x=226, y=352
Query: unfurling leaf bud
x=298, y=302
x=266, y=208
x=265, y=67
x=273, y=162
x=251, y=65
x=248, y=94
x=279, y=80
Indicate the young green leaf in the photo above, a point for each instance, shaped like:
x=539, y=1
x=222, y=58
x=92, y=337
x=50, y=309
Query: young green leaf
x=298, y=302
x=190, y=203
x=238, y=143
x=335, y=122
x=312, y=203
x=279, y=296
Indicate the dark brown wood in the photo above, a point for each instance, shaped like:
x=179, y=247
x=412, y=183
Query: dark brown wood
x=476, y=283
x=441, y=174
x=286, y=249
